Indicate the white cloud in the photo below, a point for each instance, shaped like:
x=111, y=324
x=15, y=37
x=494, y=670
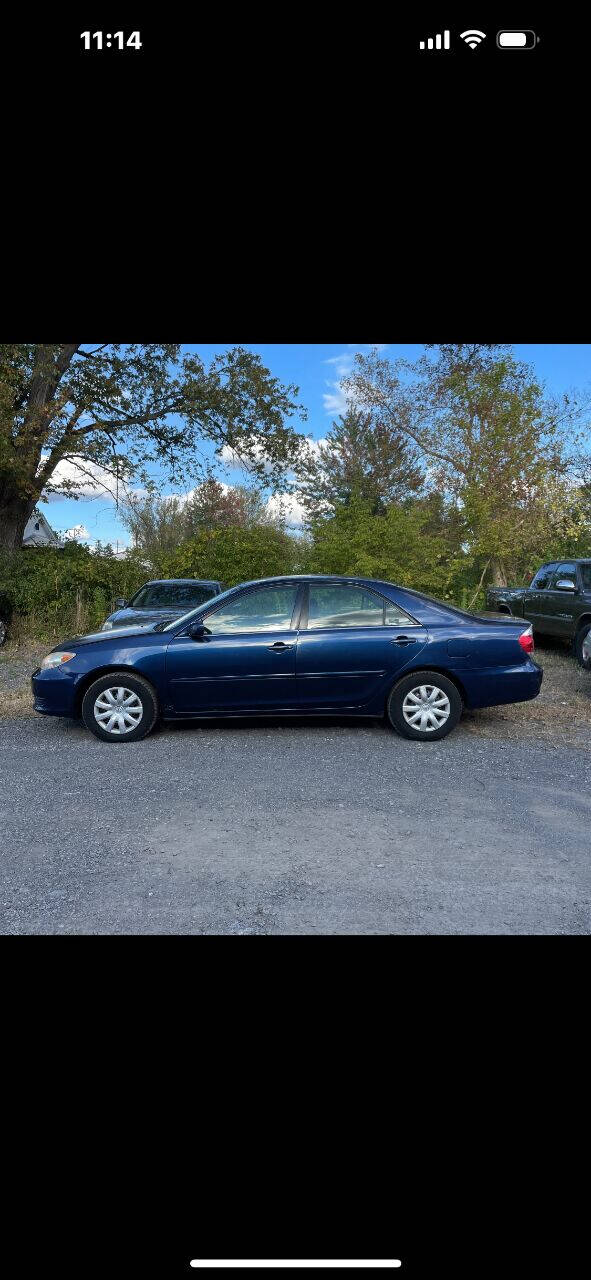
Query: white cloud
x=88, y=478
x=335, y=400
x=229, y=455
x=78, y=532
x=233, y=458
x=288, y=507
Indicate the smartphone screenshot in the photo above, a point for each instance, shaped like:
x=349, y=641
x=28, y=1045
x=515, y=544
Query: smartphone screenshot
x=295, y=639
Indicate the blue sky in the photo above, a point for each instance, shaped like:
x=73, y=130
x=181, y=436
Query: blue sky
x=317, y=369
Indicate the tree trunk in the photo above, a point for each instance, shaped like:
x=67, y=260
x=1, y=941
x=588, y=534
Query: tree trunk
x=498, y=573
x=14, y=514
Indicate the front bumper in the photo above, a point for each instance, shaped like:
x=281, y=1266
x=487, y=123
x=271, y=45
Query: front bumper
x=54, y=691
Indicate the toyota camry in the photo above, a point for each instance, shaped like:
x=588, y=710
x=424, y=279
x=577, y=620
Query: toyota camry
x=294, y=646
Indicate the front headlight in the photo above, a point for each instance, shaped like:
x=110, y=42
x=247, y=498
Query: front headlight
x=56, y=659
x=107, y=626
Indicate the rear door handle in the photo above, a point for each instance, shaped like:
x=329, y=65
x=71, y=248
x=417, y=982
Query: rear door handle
x=279, y=647
x=404, y=640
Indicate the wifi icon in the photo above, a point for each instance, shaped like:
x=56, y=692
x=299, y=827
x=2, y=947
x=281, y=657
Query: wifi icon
x=473, y=38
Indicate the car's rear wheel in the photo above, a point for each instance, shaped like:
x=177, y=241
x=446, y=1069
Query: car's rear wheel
x=583, y=646
x=120, y=707
x=425, y=706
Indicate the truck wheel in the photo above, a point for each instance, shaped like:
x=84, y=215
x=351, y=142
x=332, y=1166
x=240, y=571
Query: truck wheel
x=425, y=706
x=583, y=646
x=120, y=707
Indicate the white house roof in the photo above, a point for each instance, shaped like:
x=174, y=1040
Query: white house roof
x=38, y=533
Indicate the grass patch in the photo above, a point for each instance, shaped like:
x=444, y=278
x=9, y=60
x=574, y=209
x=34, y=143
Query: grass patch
x=561, y=714
x=17, y=662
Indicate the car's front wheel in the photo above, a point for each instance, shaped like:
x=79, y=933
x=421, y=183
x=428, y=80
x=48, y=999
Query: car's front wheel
x=583, y=646
x=120, y=707
x=425, y=706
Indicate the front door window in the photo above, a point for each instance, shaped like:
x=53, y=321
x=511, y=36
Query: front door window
x=266, y=609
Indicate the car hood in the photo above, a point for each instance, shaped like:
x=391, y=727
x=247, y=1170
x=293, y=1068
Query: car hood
x=133, y=617
x=106, y=637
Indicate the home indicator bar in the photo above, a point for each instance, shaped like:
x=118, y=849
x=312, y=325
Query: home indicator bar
x=204, y=1264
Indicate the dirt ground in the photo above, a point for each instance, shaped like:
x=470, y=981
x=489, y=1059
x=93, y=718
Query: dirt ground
x=561, y=715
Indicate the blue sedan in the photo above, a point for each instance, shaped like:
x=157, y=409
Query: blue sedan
x=289, y=646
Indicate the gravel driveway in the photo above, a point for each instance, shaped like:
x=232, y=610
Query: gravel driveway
x=266, y=828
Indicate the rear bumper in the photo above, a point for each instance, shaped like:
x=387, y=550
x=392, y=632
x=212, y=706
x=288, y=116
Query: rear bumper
x=496, y=686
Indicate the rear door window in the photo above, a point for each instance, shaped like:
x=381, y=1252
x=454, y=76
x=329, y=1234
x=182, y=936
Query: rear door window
x=344, y=605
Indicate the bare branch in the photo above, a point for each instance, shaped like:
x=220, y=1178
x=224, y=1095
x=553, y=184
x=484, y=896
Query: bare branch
x=89, y=354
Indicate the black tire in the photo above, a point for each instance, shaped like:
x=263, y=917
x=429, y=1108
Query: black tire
x=583, y=634
x=143, y=707
x=418, y=680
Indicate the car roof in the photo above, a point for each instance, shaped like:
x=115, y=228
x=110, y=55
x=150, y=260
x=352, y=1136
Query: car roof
x=199, y=582
x=319, y=577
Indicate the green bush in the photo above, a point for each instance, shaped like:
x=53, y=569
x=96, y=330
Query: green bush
x=48, y=593
x=395, y=547
x=232, y=555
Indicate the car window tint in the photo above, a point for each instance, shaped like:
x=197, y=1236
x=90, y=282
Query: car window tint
x=542, y=578
x=165, y=595
x=344, y=606
x=269, y=609
x=586, y=576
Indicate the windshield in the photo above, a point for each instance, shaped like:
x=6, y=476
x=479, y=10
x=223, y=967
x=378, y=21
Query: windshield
x=168, y=626
x=171, y=595
x=586, y=575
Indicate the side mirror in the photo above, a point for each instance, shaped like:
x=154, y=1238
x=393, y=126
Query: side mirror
x=566, y=584
x=198, y=631
x=121, y=603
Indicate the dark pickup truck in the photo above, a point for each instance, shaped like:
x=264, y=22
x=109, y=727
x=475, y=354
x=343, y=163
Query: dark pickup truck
x=557, y=603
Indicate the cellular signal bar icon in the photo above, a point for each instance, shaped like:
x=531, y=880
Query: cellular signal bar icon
x=434, y=42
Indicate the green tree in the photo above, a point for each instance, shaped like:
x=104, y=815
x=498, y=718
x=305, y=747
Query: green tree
x=363, y=457
x=494, y=443
x=160, y=524
x=120, y=408
x=398, y=546
x=233, y=555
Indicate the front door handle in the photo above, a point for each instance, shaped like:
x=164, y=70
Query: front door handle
x=279, y=647
x=404, y=640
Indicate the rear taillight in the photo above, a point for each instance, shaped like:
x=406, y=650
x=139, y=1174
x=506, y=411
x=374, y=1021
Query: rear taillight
x=526, y=640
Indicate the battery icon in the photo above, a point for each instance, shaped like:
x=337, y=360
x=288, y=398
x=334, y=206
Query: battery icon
x=517, y=39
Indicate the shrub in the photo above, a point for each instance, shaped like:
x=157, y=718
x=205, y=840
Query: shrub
x=232, y=555
x=395, y=547
x=49, y=592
